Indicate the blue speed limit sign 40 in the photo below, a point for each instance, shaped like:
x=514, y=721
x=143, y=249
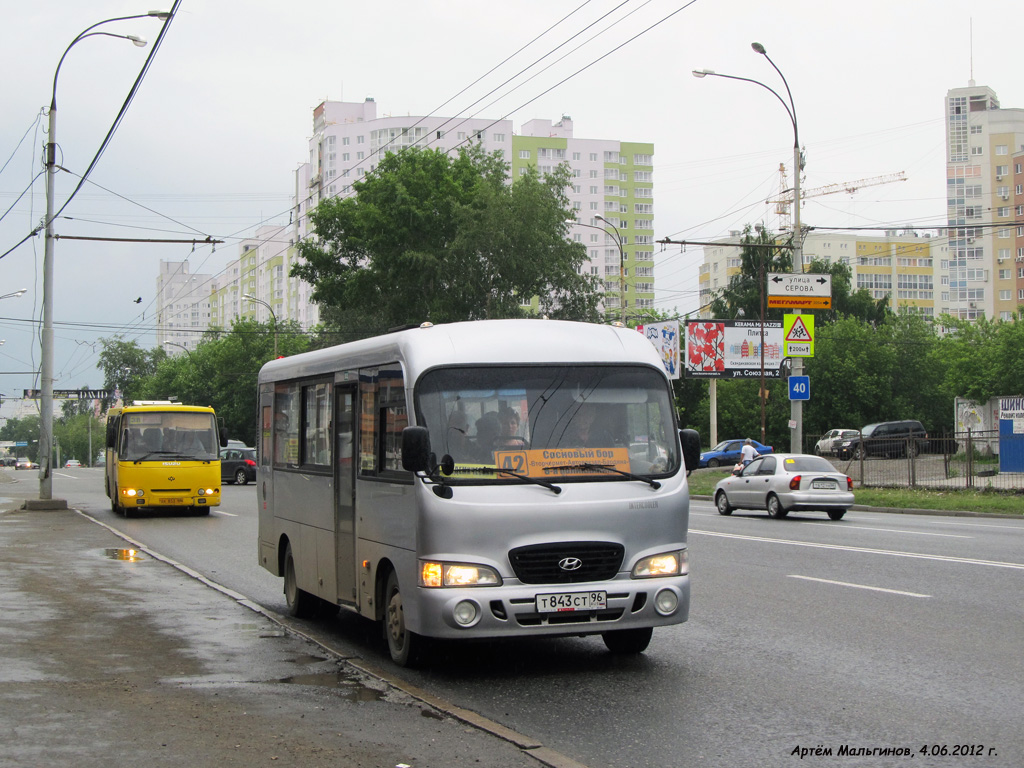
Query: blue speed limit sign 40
x=799, y=387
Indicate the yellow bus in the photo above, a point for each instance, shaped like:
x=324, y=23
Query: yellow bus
x=163, y=455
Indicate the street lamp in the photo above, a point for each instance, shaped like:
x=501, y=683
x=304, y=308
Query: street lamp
x=796, y=406
x=15, y=293
x=187, y=352
x=622, y=259
x=250, y=297
x=46, y=341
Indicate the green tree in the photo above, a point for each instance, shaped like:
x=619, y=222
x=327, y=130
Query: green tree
x=747, y=289
x=24, y=430
x=222, y=371
x=433, y=237
x=126, y=366
x=80, y=436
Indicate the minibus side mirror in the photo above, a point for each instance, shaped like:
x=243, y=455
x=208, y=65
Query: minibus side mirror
x=223, y=433
x=690, y=439
x=416, y=449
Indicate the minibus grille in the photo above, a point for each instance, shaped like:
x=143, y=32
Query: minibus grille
x=545, y=563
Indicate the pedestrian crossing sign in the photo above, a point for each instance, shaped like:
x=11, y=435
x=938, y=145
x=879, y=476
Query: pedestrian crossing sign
x=798, y=335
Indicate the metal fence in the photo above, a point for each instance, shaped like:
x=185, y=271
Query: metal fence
x=955, y=460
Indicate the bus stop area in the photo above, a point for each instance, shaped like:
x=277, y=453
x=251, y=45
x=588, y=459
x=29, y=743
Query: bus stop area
x=112, y=656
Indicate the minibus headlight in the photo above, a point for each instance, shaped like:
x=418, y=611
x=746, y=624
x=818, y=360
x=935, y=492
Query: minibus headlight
x=130, y=492
x=434, y=574
x=665, y=564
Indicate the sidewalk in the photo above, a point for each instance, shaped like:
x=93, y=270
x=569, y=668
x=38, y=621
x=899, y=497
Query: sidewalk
x=107, y=661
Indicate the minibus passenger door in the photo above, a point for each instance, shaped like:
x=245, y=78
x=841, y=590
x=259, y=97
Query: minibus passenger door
x=344, y=497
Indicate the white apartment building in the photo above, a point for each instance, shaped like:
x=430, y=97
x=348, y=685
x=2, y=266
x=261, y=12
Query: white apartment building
x=983, y=145
x=613, y=180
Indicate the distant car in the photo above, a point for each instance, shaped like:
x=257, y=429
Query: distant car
x=24, y=463
x=783, y=482
x=829, y=443
x=890, y=439
x=238, y=465
x=72, y=463
x=727, y=453
x=8, y=461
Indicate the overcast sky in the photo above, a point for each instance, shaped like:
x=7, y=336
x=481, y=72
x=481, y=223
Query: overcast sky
x=210, y=142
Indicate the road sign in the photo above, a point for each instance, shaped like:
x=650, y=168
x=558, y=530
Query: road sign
x=798, y=335
x=799, y=387
x=800, y=291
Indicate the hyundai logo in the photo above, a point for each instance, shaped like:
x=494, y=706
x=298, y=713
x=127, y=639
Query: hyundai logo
x=570, y=563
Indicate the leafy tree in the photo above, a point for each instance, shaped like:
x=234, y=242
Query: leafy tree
x=432, y=237
x=24, y=430
x=222, y=371
x=983, y=359
x=126, y=366
x=847, y=302
x=80, y=436
x=746, y=291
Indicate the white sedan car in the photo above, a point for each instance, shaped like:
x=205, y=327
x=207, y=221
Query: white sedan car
x=830, y=441
x=784, y=482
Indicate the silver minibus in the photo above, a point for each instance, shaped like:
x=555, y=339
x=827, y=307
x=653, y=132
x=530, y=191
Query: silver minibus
x=496, y=478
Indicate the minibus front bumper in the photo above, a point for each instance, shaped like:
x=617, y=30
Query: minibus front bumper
x=515, y=609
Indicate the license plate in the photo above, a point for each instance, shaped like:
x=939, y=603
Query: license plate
x=572, y=601
x=171, y=501
x=823, y=484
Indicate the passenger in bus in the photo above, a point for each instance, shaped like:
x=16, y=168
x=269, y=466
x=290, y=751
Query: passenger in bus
x=488, y=430
x=588, y=429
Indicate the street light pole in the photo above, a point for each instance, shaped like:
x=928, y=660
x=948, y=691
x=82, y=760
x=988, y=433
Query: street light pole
x=622, y=260
x=46, y=338
x=250, y=297
x=796, y=406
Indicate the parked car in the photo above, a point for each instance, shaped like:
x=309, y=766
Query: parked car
x=8, y=461
x=25, y=463
x=890, y=439
x=238, y=465
x=783, y=482
x=727, y=453
x=830, y=441
x=72, y=463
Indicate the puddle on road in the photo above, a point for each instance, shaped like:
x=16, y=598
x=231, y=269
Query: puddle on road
x=128, y=555
x=350, y=687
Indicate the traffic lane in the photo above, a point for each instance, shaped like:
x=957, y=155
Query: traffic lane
x=762, y=666
x=984, y=538
x=726, y=688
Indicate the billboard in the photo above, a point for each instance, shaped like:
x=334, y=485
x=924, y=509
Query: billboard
x=731, y=349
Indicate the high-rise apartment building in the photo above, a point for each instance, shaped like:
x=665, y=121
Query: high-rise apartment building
x=612, y=195
x=983, y=149
x=974, y=268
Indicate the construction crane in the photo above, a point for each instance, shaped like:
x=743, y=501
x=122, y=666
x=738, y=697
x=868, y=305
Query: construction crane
x=785, y=198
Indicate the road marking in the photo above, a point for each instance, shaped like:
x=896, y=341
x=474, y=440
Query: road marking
x=858, y=586
x=982, y=525
x=867, y=550
x=895, y=530
x=219, y=512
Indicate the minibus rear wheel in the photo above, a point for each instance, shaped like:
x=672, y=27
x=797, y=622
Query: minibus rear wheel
x=628, y=640
x=404, y=645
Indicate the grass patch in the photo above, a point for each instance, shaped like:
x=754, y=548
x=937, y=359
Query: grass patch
x=702, y=483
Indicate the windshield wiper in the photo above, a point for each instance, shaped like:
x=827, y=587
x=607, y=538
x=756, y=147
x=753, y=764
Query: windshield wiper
x=609, y=468
x=503, y=471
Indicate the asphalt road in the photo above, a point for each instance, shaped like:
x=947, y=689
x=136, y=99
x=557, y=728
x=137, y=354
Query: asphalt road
x=877, y=632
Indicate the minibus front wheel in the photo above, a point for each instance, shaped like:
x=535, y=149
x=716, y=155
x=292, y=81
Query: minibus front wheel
x=404, y=645
x=628, y=641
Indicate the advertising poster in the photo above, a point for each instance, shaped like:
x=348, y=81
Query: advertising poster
x=665, y=338
x=731, y=349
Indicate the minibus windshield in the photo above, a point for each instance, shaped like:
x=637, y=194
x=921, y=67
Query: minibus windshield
x=548, y=421
x=158, y=435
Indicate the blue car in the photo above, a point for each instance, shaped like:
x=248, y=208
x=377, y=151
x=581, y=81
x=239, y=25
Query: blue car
x=727, y=453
